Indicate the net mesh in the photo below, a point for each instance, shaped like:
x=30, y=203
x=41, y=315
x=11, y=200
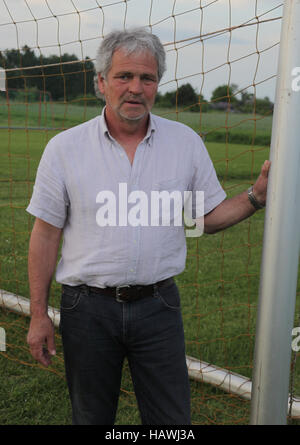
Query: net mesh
x=47, y=51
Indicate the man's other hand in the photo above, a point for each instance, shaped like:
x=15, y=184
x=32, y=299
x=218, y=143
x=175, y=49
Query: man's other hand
x=40, y=338
x=260, y=186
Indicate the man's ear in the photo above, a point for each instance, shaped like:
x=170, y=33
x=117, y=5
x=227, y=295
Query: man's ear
x=101, y=82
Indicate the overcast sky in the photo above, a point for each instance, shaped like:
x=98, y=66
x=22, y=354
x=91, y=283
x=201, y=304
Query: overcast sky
x=77, y=27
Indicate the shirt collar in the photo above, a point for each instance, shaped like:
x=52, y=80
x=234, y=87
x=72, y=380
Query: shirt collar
x=105, y=131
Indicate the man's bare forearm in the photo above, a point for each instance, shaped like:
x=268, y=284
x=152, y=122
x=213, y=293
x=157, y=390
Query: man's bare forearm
x=232, y=211
x=228, y=213
x=42, y=257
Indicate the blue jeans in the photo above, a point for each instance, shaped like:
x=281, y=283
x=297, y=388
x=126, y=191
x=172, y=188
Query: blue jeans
x=98, y=332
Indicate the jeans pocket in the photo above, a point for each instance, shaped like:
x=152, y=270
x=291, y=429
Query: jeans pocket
x=70, y=299
x=169, y=296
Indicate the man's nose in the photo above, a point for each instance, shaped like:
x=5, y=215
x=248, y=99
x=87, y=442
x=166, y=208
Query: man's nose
x=135, y=86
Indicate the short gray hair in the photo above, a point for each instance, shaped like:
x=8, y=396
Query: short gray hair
x=138, y=39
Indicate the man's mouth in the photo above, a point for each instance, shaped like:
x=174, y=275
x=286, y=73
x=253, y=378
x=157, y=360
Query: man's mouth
x=133, y=102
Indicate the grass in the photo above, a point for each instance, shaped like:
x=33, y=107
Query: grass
x=213, y=126
x=219, y=286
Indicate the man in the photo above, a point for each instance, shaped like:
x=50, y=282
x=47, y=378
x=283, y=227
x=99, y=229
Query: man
x=119, y=298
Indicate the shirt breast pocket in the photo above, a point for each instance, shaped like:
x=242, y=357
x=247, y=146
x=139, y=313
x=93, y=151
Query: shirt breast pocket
x=167, y=200
x=171, y=184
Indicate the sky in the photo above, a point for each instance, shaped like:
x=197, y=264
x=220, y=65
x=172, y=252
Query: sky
x=247, y=56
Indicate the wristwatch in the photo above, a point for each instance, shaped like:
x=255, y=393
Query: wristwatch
x=257, y=205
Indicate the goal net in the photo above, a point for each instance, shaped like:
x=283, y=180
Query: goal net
x=220, y=80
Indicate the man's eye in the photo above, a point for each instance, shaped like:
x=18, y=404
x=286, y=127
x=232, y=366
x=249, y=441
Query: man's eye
x=148, y=79
x=124, y=77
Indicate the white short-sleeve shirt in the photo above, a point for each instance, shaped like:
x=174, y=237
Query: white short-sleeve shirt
x=86, y=185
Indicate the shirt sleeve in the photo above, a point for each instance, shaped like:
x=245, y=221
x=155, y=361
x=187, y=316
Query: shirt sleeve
x=49, y=200
x=205, y=180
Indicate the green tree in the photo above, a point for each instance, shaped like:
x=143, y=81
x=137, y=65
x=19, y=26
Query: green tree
x=13, y=58
x=186, y=95
x=67, y=81
x=62, y=81
x=224, y=93
x=263, y=106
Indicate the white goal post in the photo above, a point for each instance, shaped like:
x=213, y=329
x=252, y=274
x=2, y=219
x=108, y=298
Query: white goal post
x=279, y=269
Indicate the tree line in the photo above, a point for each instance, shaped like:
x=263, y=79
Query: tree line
x=65, y=81
x=223, y=98
x=60, y=79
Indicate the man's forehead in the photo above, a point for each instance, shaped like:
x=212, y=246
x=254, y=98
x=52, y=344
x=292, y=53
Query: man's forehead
x=135, y=60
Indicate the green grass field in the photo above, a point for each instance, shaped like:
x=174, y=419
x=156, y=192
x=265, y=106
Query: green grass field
x=219, y=287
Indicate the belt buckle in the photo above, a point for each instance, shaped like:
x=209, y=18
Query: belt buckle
x=118, y=294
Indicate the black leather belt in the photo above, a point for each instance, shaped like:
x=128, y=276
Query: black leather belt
x=130, y=293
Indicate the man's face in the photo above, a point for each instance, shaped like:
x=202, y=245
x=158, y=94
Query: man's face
x=130, y=86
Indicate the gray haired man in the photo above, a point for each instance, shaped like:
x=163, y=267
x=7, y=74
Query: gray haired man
x=119, y=298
